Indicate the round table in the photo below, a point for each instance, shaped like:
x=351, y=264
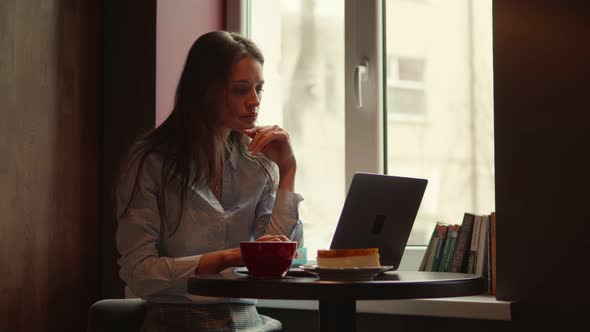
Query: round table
x=337, y=299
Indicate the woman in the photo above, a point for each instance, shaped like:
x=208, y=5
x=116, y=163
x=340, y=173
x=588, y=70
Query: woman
x=200, y=183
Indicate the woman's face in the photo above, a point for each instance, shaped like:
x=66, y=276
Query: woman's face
x=240, y=109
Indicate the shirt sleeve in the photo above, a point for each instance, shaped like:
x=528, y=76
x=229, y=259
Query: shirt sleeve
x=138, y=237
x=278, y=213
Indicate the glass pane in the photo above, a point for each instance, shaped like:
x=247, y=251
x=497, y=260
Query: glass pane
x=303, y=45
x=439, y=105
x=408, y=101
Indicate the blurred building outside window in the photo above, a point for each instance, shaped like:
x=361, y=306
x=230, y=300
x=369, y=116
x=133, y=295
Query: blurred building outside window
x=438, y=77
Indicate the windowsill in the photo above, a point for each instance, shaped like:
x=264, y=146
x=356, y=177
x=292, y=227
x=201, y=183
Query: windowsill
x=468, y=307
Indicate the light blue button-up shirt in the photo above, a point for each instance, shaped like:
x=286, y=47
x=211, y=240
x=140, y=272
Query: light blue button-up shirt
x=155, y=264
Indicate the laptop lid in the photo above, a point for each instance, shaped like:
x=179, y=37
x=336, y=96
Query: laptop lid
x=379, y=212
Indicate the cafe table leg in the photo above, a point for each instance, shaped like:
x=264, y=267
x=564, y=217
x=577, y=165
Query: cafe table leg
x=337, y=315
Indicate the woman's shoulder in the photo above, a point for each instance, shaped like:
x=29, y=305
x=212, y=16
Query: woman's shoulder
x=148, y=161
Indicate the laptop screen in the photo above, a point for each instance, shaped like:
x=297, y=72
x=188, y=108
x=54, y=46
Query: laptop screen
x=379, y=212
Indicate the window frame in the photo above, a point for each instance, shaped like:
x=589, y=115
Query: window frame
x=371, y=117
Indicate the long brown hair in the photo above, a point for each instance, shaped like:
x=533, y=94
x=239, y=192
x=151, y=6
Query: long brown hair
x=190, y=139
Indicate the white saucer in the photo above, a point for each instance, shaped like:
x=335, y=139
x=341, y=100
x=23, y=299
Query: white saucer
x=346, y=274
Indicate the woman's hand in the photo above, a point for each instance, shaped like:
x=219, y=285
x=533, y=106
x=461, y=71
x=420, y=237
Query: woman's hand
x=268, y=237
x=216, y=261
x=277, y=238
x=274, y=143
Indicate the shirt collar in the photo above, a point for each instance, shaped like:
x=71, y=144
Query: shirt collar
x=234, y=155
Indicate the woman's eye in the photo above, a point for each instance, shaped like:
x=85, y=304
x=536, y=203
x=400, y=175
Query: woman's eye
x=240, y=90
x=259, y=91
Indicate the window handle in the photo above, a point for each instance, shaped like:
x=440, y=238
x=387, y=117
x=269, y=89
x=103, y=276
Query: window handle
x=361, y=74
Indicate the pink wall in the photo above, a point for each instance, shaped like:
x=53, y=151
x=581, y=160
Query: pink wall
x=179, y=23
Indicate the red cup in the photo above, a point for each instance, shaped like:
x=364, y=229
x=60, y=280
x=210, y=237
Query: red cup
x=268, y=259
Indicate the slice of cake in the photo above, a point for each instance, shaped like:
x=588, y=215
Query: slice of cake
x=348, y=258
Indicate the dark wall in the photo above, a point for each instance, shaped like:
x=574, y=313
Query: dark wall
x=129, y=97
x=542, y=123
x=49, y=124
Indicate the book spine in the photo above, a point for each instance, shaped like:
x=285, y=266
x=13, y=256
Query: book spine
x=488, y=268
x=463, y=244
x=428, y=250
x=482, y=247
x=444, y=252
x=453, y=247
x=448, y=250
x=433, y=252
x=474, y=244
x=440, y=247
x=493, y=251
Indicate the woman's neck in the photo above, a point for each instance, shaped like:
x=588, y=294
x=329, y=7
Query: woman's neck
x=225, y=133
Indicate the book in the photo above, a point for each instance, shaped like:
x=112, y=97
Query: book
x=429, y=249
x=472, y=258
x=453, y=248
x=459, y=261
x=447, y=255
x=484, y=263
x=435, y=247
x=488, y=255
x=493, y=252
x=482, y=247
x=444, y=251
x=440, y=244
x=432, y=252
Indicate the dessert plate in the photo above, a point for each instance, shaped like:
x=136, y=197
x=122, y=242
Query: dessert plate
x=293, y=272
x=345, y=274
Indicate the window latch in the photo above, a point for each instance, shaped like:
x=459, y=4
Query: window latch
x=361, y=74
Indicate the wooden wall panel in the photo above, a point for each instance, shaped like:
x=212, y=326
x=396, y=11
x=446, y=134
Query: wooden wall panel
x=129, y=97
x=49, y=104
x=542, y=121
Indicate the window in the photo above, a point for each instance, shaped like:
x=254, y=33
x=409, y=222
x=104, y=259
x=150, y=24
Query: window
x=398, y=87
x=303, y=46
x=405, y=87
x=440, y=114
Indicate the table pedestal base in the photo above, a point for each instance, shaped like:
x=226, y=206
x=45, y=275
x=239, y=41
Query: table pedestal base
x=337, y=315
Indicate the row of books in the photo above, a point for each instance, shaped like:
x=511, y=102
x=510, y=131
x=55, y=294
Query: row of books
x=466, y=248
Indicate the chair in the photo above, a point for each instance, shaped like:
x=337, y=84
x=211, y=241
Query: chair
x=116, y=315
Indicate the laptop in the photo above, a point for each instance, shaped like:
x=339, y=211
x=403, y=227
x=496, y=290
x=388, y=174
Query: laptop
x=379, y=212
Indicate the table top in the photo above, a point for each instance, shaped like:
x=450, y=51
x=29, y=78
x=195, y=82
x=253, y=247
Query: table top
x=388, y=285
